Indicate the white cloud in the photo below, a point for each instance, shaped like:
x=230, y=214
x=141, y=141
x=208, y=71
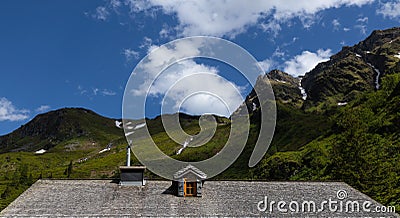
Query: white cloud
x=362, y=20
x=336, y=24
x=306, y=61
x=346, y=29
x=185, y=79
x=115, y=4
x=271, y=26
x=390, y=9
x=307, y=20
x=95, y=91
x=101, y=13
x=8, y=112
x=188, y=78
x=107, y=92
x=42, y=108
x=166, y=31
x=81, y=90
x=278, y=52
x=156, y=60
x=230, y=17
x=147, y=42
x=130, y=54
x=138, y=6
x=362, y=25
x=362, y=28
x=267, y=64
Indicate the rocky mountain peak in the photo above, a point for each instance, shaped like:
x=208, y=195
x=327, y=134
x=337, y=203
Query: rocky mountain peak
x=282, y=77
x=379, y=38
x=354, y=69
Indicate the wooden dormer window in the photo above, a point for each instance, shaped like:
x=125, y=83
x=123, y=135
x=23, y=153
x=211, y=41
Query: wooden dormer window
x=189, y=181
x=189, y=188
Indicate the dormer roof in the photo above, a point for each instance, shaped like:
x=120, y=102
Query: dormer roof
x=190, y=169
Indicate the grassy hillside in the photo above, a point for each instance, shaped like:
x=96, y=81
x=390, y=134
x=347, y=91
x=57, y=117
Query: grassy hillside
x=315, y=139
x=77, y=136
x=361, y=147
x=340, y=144
x=50, y=129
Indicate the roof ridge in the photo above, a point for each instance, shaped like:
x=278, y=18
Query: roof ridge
x=190, y=168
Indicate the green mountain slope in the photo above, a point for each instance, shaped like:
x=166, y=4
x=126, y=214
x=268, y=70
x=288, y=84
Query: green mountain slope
x=361, y=148
x=315, y=139
x=48, y=130
x=358, y=142
x=353, y=70
x=75, y=140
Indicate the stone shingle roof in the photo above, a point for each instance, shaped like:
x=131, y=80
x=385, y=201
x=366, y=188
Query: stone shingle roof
x=52, y=198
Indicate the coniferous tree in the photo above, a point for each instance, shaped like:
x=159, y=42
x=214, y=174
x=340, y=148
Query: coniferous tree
x=69, y=169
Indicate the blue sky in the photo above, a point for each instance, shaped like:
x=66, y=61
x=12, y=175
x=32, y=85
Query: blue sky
x=56, y=54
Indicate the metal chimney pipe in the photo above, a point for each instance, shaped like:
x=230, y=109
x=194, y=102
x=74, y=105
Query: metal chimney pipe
x=128, y=155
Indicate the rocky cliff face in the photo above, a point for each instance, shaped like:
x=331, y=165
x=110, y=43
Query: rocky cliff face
x=287, y=89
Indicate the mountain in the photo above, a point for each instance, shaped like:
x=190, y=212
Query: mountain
x=346, y=127
x=65, y=143
x=339, y=122
x=47, y=130
x=355, y=96
x=50, y=129
x=354, y=69
x=294, y=127
x=286, y=88
x=78, y=143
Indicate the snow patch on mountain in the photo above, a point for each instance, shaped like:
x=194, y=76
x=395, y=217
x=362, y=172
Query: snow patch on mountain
x=104, y=150
x=185, y=144
x=139, y=126
x=108, y=148
x=129, y=133
x=280, y=81
x=118, y=124
x=41, y=151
